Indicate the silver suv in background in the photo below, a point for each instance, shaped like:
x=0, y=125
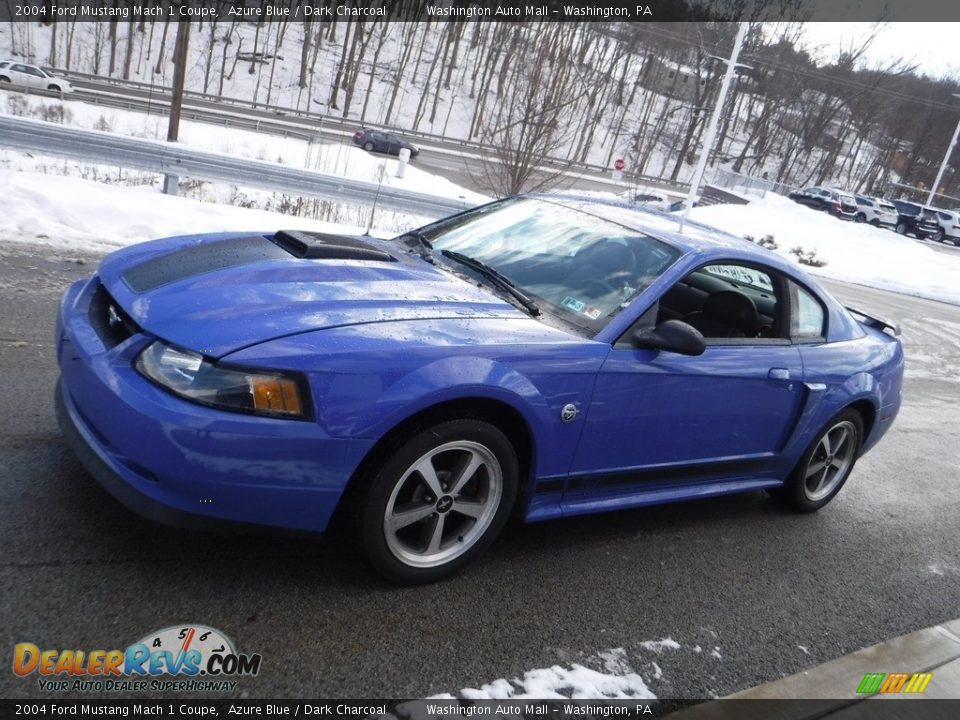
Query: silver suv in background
x=875, y=211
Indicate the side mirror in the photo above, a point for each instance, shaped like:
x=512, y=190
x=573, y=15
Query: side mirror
x=672, y=336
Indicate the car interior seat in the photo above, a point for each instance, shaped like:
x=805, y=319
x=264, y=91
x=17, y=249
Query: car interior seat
x=726, y=314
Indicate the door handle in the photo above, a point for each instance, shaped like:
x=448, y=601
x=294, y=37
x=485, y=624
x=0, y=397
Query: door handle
x=778, y=374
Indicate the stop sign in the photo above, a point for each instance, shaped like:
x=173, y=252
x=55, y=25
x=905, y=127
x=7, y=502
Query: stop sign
x=618, y=164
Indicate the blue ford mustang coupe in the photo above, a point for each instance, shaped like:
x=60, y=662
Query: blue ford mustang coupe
x=541, y=356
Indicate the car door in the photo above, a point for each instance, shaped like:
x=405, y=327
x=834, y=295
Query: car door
x=393, y=144
x=660, y=417
x=21, y=76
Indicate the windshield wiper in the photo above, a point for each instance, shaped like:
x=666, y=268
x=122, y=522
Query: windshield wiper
x=495, y=278
x=424, y=246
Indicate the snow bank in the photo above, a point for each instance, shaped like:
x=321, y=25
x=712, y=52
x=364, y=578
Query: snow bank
x=855, y=253
x=73, y=214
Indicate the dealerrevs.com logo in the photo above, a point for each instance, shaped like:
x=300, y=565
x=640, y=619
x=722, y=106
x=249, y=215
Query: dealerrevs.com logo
x=186, y=657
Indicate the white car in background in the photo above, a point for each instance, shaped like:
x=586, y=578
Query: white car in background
x=949, y=222
x=13, y=71
x=875, y=211
x=652, y=199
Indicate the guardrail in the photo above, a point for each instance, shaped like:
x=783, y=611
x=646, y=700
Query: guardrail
x=174, y=159
x=163, y=93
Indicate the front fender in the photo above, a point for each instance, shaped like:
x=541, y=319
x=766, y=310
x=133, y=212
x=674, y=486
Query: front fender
x=451, y=379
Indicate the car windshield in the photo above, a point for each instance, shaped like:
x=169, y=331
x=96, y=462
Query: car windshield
x=576, y=266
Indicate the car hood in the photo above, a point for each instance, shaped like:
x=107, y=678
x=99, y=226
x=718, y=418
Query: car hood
x=249, y=297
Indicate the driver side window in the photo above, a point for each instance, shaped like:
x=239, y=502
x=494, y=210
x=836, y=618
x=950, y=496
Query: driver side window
x=729, y=303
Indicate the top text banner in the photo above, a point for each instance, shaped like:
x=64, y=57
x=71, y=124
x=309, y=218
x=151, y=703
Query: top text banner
x=46, y=11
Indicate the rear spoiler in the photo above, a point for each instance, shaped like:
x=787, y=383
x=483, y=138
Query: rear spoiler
x=874, y=322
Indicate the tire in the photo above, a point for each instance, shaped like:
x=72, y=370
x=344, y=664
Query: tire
x=368, y=146
x=446, y=527
x=834, y=451
x=875, y=222
x=941, y=235
x=860, y=218
x=901, y=228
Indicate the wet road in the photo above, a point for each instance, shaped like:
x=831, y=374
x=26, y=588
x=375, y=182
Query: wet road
x=748, y=591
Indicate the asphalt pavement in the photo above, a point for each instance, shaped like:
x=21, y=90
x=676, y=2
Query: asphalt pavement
x=750, y=592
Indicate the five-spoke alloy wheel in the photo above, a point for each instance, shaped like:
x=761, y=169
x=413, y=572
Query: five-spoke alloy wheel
x=826, y=464
x=439, y=500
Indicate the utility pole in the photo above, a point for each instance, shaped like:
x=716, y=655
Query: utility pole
x=714, y=122
x=946, y=159
x=176, y=101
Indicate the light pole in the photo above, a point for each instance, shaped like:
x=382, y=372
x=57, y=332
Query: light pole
x=714, y=122
x=946, y=159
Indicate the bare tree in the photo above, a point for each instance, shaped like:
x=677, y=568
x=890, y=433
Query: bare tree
x=532, y=122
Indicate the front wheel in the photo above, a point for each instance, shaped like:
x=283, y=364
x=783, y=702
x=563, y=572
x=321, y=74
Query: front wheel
x=368, y=146
x=439, y=501
x=860, y=218
x=941, y=235
x=826, y=464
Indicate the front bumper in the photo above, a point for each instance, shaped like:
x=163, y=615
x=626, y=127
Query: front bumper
x=181, y=463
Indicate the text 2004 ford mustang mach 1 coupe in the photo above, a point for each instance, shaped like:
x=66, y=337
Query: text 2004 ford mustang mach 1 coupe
x=541, y=356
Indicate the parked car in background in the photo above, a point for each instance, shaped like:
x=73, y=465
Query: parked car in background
x=948, y=222
x=830, y=200
x=383, y=142
x=647, y=198
x=916, y=220
x=19, y=73
x=875, y=211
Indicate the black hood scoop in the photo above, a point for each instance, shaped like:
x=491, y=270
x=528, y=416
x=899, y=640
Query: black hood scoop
x=314, y=246
x=208, y=257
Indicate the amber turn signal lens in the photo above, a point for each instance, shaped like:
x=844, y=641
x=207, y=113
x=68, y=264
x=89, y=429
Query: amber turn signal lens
x=276, y=395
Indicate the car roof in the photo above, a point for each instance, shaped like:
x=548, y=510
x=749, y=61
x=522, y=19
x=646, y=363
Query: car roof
x=661, y=225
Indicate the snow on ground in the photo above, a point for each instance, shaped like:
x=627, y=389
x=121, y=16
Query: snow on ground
x=615, y=680
x=80, y=215
x=856, y=253
x=556, y=683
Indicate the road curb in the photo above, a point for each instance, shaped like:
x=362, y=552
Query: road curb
x=833, y=685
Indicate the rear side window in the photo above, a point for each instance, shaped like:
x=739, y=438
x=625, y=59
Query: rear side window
x=807, y=315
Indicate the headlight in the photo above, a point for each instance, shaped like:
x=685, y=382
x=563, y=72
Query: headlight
x=191, y=376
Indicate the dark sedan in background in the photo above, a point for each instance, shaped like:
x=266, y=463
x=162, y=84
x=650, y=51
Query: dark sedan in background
x=383, y=142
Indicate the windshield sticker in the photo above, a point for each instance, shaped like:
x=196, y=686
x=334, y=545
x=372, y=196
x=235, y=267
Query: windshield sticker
x=572, y=303
x=593, y=312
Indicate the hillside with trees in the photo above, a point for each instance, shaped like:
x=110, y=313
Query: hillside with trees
x=586, y=92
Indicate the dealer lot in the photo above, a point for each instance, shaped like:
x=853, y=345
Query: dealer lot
x=759, y=591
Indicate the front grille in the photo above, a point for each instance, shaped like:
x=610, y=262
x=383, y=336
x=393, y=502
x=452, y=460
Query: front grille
x=110, y=321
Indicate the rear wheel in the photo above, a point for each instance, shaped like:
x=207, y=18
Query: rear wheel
x=901, y=228
x=860, y=218
x=439, y=501
x=826, y=464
